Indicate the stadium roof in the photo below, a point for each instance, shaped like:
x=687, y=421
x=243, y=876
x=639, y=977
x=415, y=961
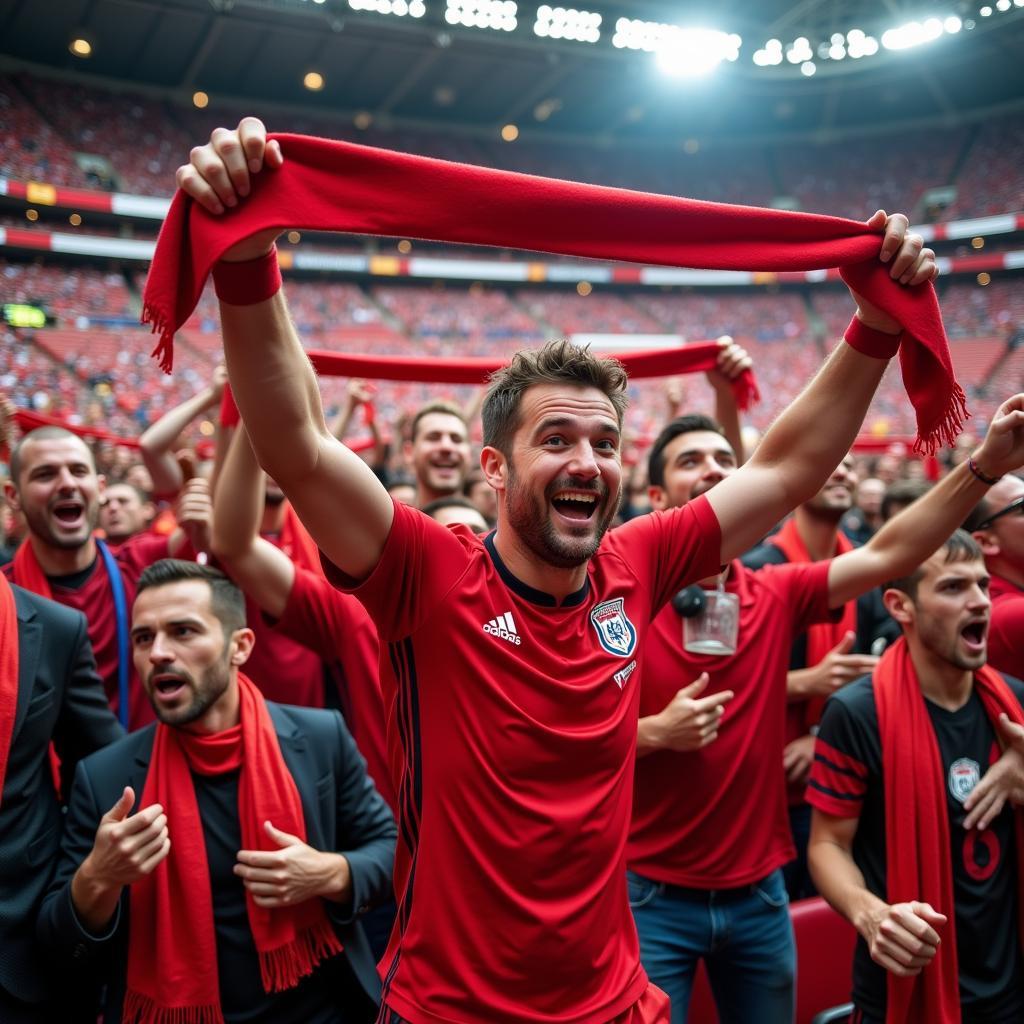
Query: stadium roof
x=425, y=72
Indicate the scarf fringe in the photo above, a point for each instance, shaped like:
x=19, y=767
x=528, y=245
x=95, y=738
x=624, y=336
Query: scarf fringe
x=947, y=430
x=283, y=968
x=160, y=323
x=143, y=1009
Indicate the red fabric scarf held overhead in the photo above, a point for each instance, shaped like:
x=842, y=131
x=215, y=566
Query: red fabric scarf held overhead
x=8, y=673
x=919, y=865
x=172, y=957
x=664, y=362
x=340, y=186
x=821, y=638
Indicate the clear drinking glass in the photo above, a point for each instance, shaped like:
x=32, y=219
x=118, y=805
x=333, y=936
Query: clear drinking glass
x=714, y=631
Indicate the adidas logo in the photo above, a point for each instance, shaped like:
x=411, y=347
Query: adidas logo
x=505, y=628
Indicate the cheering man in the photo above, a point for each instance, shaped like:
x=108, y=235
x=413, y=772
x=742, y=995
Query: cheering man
x=510, y=659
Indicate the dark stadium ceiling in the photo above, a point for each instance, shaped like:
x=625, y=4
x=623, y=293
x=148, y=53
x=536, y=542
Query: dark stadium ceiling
x=425, y=73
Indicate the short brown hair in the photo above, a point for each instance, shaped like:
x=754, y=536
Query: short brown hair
x=44, y=433
x=558, y=362
x=447, y=408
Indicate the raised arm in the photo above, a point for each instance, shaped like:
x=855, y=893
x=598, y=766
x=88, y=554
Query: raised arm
x=273, y=381
x=922, y=528
x=812, y=435
x=158, y=440
x=263, y=571
x=732, y=361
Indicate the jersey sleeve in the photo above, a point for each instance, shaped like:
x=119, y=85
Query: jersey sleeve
x=672, y=549
x=420, y=564
x=140, y=552
x=1005, y=651
x=843, y=754
x=318, y=616
x=803, y=587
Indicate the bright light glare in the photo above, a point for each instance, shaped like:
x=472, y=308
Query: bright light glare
x=913, y=33
x=696, y=51
x=770, y=55
x=800, y=52
x=400, y=8
x=494, y=14
x=860, y=45
x=808, y=68
x=1003, y=5
x=567, y=23
x=952, y=24
x=985, y=12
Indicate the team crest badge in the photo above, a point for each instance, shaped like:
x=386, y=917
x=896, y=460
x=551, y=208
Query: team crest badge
x=614, y=629
x=963, y=777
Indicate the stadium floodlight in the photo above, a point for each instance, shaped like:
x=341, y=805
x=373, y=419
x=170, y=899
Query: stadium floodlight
x=800, y=52
x=808, y=68
x=1003, y=5
x=567, y=23
x=769, y=55
x=913, y=33
x=952, y=24
x=690, y=52
x=860, y=45
x=985, y=12
x=400, y=8
x=499, y=15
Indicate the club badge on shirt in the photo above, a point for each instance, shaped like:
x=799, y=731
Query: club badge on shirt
x=963, y=777
x=614, y=630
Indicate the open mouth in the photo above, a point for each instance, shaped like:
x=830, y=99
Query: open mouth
x=974, y=635
x=579, y=506
x=167, y=686
x=69, y=513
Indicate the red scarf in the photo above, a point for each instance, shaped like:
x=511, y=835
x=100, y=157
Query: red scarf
x=28, y=573
x=30, y=420
x=918, y=861
x=822, y=637
x=172, y=957
x=340, y=186
x=8, y=673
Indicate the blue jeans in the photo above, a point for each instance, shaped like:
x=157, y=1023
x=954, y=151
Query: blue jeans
x=744, y=936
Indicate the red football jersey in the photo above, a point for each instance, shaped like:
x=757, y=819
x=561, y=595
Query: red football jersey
x=515, y=732
x=339, y=629
x=94, y=599
x=1005, y=651
x=717, y=818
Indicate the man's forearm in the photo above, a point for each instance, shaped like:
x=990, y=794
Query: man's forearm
x=274, y=386
x=727, y=414
x=236, y=504
x=841, y=883
x=648, y=736
x=923, y=527
x=94, y=901
x=157, y=440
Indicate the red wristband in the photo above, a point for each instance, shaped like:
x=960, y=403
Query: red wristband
x=869, y=342
x=245, y=284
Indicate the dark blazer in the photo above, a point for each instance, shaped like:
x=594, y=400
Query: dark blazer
x=342, y=810
x=60, y=698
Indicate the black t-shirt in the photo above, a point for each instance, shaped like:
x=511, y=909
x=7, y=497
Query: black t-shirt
x=984, y=863
x=330, y=995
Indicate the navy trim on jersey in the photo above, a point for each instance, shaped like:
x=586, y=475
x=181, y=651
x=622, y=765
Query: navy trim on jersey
x=525, y=591
x=410, y=793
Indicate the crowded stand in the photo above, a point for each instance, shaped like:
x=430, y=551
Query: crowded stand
x=679, y=688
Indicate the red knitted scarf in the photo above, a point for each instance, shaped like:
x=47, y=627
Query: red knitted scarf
x=172, y=957
x=340, y=186
x=918, y=861
x=8, y=673
x=821, y=638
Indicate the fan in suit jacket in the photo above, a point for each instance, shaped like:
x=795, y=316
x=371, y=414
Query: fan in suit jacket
x=214, y=865
x=53, y=695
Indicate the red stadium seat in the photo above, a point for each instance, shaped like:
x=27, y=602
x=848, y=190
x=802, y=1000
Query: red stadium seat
x=824, y=955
